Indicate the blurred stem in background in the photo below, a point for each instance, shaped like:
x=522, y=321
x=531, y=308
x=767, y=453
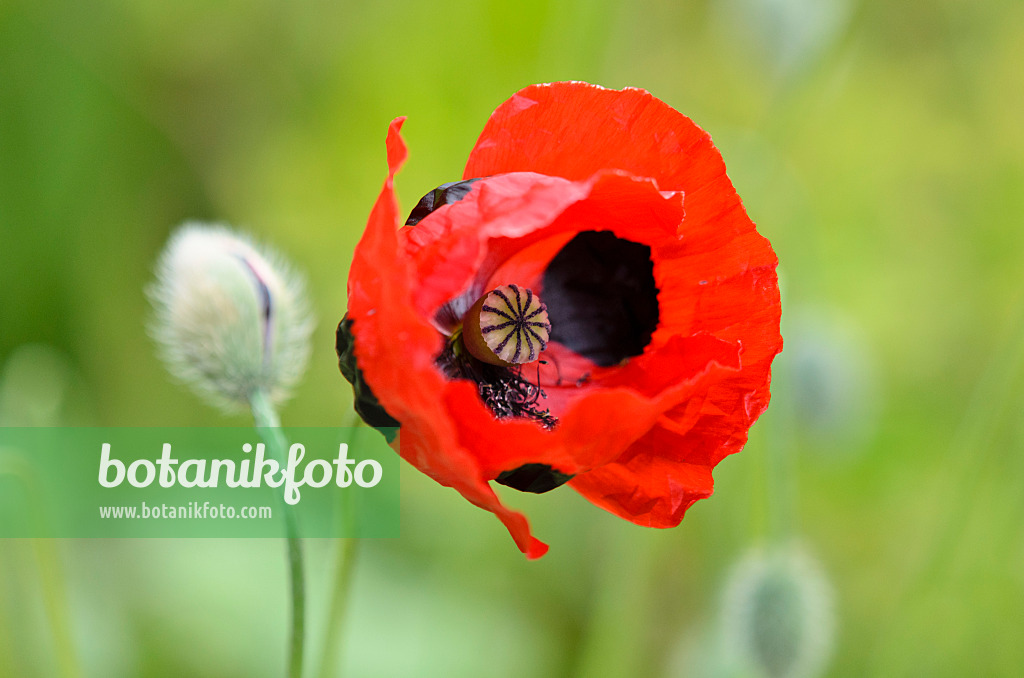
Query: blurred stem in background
x=55, y=597
x=34, y=384
x=779, y=453
x=341, y=580
x=47, y=561
x=968, y=459
x=974, y=439
x=776, y=615
x=269, y=426
x=624, y=590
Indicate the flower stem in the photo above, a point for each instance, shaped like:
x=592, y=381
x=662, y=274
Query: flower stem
x=345, y=550
x=780, y=446
x=56, y=605
x=344, y=557
x=971, y=451
x=48, y=567
x=269, y=426
x=608, y=646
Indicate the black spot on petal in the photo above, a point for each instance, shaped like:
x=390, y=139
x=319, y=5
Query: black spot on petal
x=445, y=194
x=366, y=404
x=535, y=478
x=601, y=297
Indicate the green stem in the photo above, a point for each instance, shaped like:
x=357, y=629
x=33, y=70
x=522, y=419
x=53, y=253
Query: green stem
x=969, y=451
x=780, y=447
x=341, y=581
x=344, y=558
x=608, y=647
x=49, y=568
x=269, y=426
x=968, y=455
x=56, y=605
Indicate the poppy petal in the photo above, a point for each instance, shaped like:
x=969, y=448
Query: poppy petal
x=648, y=486
x=641, y=421
x=575, y=129
x=446, y=265
x=718, y=278
x=380, y=291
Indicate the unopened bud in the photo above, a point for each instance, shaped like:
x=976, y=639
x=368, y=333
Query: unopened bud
x=777, y=616
x=231, y=316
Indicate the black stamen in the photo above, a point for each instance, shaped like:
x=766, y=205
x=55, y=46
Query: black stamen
x=502, y=389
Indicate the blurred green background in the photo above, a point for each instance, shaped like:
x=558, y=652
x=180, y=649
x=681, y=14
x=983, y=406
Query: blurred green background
x=878, y=145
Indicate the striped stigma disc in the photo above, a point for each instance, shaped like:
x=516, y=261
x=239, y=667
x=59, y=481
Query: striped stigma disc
x=507, y=326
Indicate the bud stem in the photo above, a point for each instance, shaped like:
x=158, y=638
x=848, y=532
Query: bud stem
x=48, y=567
x=269, y=426
x=346, y=549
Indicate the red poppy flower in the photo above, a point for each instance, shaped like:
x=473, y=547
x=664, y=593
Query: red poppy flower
x=662, y=299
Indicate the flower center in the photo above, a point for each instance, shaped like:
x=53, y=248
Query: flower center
x=507, y=326
x=504, y=329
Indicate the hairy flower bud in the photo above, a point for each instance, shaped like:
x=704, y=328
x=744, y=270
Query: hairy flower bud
x=231, y=317
x=777, y=616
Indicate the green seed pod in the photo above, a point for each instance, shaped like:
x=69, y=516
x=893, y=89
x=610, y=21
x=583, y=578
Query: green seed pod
x=507, y=326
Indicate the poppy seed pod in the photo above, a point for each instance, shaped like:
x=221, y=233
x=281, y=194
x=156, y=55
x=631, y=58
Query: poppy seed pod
x=231, y=317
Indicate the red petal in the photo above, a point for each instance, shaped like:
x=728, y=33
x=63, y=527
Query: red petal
x=719, y=278
x=574, y=129
x=406, y=381
x=652, y=485
x=456, y=247
x=601, y=422
x=643, y=485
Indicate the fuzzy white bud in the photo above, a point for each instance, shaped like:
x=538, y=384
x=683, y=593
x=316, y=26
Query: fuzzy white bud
x=232, y=317
x=777, y=615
